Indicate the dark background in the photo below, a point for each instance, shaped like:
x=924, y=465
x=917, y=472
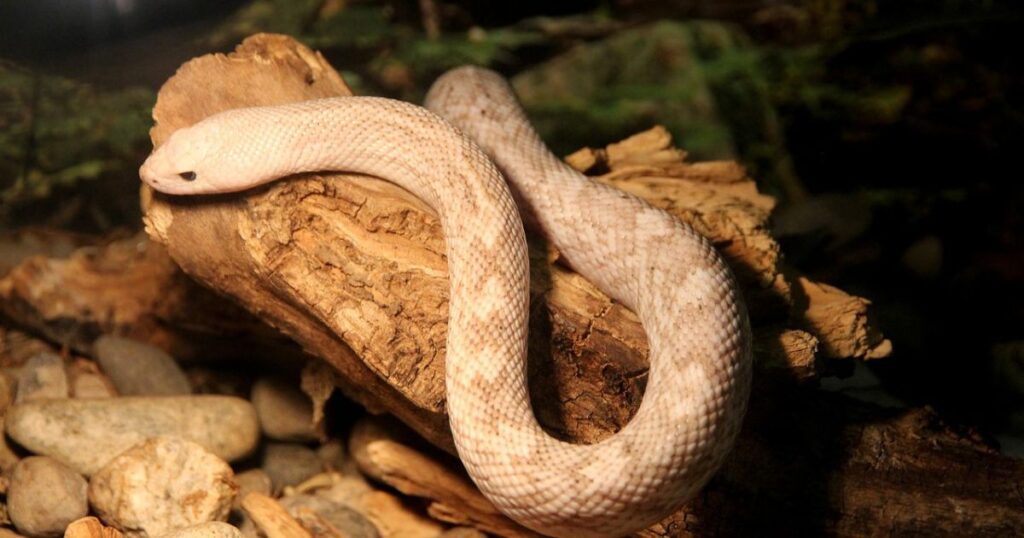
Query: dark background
x=889, y=131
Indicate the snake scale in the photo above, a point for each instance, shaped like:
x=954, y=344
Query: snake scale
x=456, y=155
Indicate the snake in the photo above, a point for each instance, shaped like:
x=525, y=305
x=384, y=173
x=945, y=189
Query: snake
x=472, y=155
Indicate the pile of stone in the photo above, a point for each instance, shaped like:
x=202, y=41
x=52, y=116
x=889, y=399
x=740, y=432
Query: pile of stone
x=128, y=442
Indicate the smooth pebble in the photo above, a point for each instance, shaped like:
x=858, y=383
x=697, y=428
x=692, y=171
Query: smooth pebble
x=160, y=485
x=289, y=464
x=45, y=496
x=86, y=434
x=286, y=413
x=42, y=377
x=335, y=458
x=251, y=481
x=344, y=520
x=139, y=369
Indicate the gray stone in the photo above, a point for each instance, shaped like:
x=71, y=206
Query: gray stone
x=289, y=464
x=160, y=485
x=331, y=518
x=137, y=368
x=251, y=481
x=335, y=458
x=42, y=377
x=45, y=496
x=286, y=413
x=86, y=434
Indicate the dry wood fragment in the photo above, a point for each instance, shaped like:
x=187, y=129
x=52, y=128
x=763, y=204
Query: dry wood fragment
x=16, y=247
x=131, y=287
x=16, y=347
x=272, y=518
x=841, y=321
x=381, y=453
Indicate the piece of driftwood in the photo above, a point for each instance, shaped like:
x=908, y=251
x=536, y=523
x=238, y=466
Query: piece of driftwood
x=272, y=518
x=353, y=267
x=131, y=287
x=380, y=451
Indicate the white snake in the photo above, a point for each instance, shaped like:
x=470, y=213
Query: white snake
x=642, y=257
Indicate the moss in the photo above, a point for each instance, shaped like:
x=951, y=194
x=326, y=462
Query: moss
x=59, y=135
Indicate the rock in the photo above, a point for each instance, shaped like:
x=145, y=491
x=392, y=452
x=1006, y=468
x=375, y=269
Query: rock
x=89, y=385
x=251, y=481
x=923, y=257
x=391, y=515
x=348, y=490
x=289, y=464
x=86, y=434
x=90, y=527
x=42, y=377
x=325, y=518
x=45, y=496
x=160, y=485
x=335, y=458
x=137, y=368
x=286, y=413
x=211, y=529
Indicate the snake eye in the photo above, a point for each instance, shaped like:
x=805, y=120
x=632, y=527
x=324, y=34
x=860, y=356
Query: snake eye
x=188, y=176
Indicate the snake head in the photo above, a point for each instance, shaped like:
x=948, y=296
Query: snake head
x=190, y=161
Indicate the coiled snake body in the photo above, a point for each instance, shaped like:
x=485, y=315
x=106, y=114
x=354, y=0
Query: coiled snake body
x=655, y=265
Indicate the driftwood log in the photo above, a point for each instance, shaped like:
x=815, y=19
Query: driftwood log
x=352, y=269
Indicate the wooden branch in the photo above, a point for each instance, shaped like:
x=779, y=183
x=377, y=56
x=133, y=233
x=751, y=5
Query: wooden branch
x=130, y=286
